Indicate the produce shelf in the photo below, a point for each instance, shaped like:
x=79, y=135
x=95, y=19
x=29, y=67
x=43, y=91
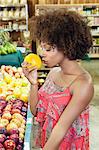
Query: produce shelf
x=27, y=137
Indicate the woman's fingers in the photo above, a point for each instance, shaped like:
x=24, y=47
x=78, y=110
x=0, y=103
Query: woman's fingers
x=29, y=66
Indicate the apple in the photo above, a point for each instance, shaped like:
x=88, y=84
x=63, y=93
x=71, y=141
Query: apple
x=17, y=75
x=14, y=137
x=21, y=135
x=26, y=105
x=11, y=126
x=7, y=78
x=3, y=96
x=8, y=107
x=15, y=111
x=24, y=97
x=1, y=125
x=0, y=112
x=3, y=103
x=1, y=147
x=19, y=147
x=23, y=122
x=17, y=116
x=12, y=101
x=2, y=138
x=21, y=130
x=21, y=141
x=10, y=97
x=9, y=144
x=17, y=92
x=16, y=106
x=23, y=126
x=23, y=114
x=5, y=122
x=13, y=131
x=6, y=115
x=16, y=121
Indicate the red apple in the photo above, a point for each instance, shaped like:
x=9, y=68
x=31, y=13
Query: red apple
x=1, y=147
x=3, y=103
x=14, y=131
x=23, y=114
x=2, y=138
x=9, y=144
x=12, y=101
x=20, y=141
x=26, y=105
x=19, y=147
x=14, y=137
x=15, y=111
x=1, y=111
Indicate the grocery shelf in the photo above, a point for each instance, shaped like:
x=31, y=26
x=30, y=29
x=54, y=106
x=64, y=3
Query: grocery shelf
x=10, y=30
x=7, y=21
x=55, y=5
x=95, y=35
x=96, y=45
x=12, y=5
x=13, y=18
x=94, y=25
x=91, y=15
x=93, y=55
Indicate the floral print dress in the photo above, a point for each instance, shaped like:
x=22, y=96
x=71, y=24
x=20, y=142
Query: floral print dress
x=52, y=102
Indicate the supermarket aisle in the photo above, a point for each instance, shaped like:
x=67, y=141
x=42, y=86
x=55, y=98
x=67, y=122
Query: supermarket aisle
x=93, y=68
x=94, y=120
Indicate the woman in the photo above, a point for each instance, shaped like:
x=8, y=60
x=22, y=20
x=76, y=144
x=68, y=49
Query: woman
x=61, y=104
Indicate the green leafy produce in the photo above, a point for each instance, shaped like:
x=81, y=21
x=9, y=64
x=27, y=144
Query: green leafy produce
x=6, y=47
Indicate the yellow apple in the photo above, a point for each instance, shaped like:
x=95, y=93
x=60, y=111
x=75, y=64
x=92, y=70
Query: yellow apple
x=11, y=126
x=6, y=115
x=5, y=122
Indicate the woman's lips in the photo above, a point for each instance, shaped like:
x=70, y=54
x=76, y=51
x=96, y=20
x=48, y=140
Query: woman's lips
x=45, y=62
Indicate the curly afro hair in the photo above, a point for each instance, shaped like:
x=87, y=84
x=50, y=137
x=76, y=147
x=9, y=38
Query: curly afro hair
x=65, y=29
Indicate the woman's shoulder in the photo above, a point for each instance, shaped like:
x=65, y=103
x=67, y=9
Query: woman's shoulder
x=53, y=71
x=83, y=82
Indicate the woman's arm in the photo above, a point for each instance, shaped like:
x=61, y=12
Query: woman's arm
x=82, y=95
x=33, y=98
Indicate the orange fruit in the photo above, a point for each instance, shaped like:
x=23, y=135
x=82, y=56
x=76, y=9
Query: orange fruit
x=34, y=60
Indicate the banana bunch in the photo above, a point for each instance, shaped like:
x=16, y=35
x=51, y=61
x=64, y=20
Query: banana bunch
x=4, y=37
x=7, y=48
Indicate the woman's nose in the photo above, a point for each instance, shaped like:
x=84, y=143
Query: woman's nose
x=42, y=55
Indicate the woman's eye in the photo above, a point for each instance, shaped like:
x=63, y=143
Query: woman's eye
x=47, y=50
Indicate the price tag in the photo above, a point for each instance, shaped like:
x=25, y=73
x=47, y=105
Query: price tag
x=22, y=49
x=26, y=146
x=29, y=121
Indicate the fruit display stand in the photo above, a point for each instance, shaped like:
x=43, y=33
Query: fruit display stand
x=14, y=111
x=9, y=55
x=14, y=59
x=28, y=131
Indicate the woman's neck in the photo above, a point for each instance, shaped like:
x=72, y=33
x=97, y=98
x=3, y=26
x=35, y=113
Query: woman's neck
x=70, y=67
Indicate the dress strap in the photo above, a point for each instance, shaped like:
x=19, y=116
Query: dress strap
x=75, y=79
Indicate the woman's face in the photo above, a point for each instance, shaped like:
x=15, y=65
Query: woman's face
x=51, y=56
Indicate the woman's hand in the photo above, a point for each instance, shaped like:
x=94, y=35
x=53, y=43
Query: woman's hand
x=30, y=72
